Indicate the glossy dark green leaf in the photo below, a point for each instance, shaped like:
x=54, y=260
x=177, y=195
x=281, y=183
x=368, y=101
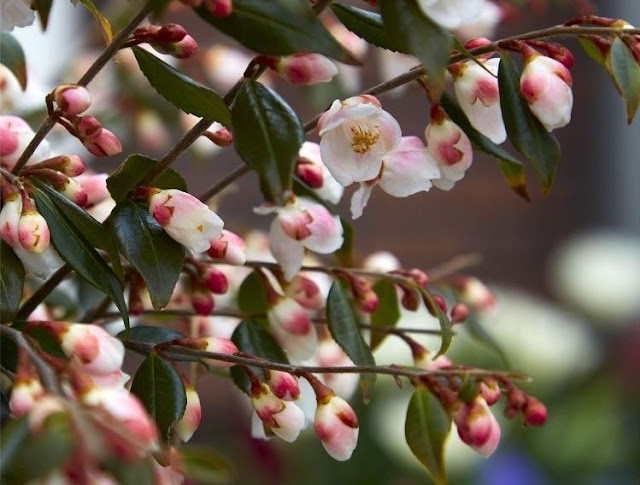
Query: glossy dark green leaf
x=182, y=91
x=25, y=456
x=159, y=386
x=277, y=27
x=365, y=24
x=344, y=255
x=525, y=131
x=150, y=334
x=12, y=57
x=252, y=337
x=417, y=34
x=11, y=282
x=252, y=295
x=91, y=229
x=345, y=330
x=388, y=312
x=446, y=328
x=43, y=8
x=268, y=136
x=77, y=251
x=426, y=430
x=155, y=255
x=625, y=72
x=511, y=167
x=134, y=170
x=205, y=465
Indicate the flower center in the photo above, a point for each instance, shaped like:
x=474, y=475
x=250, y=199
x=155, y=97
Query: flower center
x=364, y=138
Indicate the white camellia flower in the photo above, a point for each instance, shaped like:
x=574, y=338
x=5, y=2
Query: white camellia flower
x=355, y=134
x=16, y=13
x=546, y=85
x=479, y=97
x=452, y=14
x=482, y=25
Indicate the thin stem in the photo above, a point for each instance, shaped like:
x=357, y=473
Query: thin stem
x=41, y=293
x=94, y=313
x=49, y=379
x=225, y=182
x=88, y=76
x=392, y=370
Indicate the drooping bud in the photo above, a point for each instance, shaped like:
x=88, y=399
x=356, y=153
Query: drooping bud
x=33, y=231
x=474, y=293
x=215, y=280
x=201, y=298
x=72, y=99
x=105, y=144
x=284, y=385
x=95, y=349
x=305, y=69
x=10, y=213
x=219, y=135
x=219, y=8
x=15, y=135
x=459, y=313
x=490, y=390
x=477, y=426
x=228, y=247
x=292, y=328
x=362, y=289
x=24, y=394
x=306, y=292
x=190, y=420
x=217, y=345
x=310, y=174
x=336, y=424
x=284, y=418
x=535, y=413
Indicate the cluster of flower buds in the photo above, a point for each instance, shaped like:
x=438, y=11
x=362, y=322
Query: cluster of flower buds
x=171, y=39
x=217, y=8
x=205, y=281
x=60, y=173
x=24, y=229
x=301, y=223
x=361, y=288
x=519, y=402
x=304, y=69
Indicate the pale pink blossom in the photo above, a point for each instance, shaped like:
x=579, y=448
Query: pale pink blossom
x=72, y=99
x=477, y=426
x=185, y=219
x=546, y=85
x=482, y=25
x=451, y=14
x=105, y=144
x=305, y=68
x=328, y=187
x=16, y=134
x=479, y=97
x=336, y=424
x=406, y=170
x=228, y=247
x=95, y=185
x=450, y=147
x=301, y=223
x=93, y=347
x=16, y=13
x=190, y=420
x=355, y=135
x=284, y=418
x=292, y=327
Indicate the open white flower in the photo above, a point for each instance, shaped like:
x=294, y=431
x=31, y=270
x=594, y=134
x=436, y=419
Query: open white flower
x=452, y=14
x=16, y=13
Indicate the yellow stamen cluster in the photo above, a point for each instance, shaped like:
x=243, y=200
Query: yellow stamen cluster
x=363, y=138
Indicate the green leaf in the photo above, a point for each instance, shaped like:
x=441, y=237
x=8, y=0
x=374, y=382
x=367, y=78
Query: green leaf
x=182, y=91
x=91, y=229
x=134, y=170
x=446, y=328
x=388, y=312
x=43, y=8
x=12, y=57
x=150, y=334
x=204, y=465
x=417, y=34
x=525, y=131
x=346, y=332
x=131, y=472
x=103, y=22
x=511, y=167
x=78, y=253
x=251, y=337
x=252, y=295
x=426, y=430
x=151, y=251
x=268, y=136
x=278, y=27
x=25, y=456
x=625, y=72
x=592, y=51
x=11, y=282
x=344, y=255
x=159, y=386
x=365, y=24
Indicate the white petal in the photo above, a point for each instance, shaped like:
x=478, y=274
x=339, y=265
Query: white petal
x=288, y=252
x=409, y=169
x=359, y=200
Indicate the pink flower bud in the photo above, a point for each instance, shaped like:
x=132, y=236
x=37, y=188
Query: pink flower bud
x=184, y=49
x=284, y=418
x=410, y=299
x=219, y=8
x=95, y=186
x=15, y=135
x=312, y=171
x=171, y=33
x=337, y=427
x=220, y=136
x=104, y=144
x=310, y=174
x=546, y=85
x=88, y=127
x=292, y=328
x=33, y=232
x=24, y=395
x=185, y=219
x=490, y=390
x=190, y=420
x=9, y=142
x=477, y=426
x=306, y=292
x=535, y=413
x=75, y=192
x=305, y=69
x=10, y=217
x=216, y=280
x=449, y=146
x=284, y=385
x=216, y=345
x=72, y=99
x=459, y=313
x=228, y=247
x=95, y=349
x=202, y=300
x=474, y=293
x=69, y=165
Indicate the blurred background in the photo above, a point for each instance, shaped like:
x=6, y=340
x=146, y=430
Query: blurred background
x=565, y=268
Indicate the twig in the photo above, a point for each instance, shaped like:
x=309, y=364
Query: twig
x=225, y=182
x=41, y=293
x=49, y=379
